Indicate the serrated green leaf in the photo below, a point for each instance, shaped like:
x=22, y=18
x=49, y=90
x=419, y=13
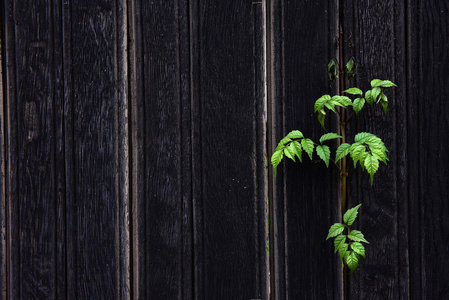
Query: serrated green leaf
x=320, y=102
x=350, y=215
x=342, y=101
x=375, y=92
x=276, y=159
x=354, y=91
x=375, y=82
x=339, y=240
x=357, y=236
x=282, y=143
x=308, y=146
x=356, y=151
x=324, y=153
x=358, y=248
x=342, y=251
x=295, y=134
x=358, y=104
x=350, y=65
x=384, y=102
x=342, y=151
x=322, y=119
x=385, y=83
x=289, y=151
x=329, y=136
x=369, y=98
x=330, y=106
x=298, y=150
x=371, y=165
x=335, y=230
x=362, y=160
x=352, y=260
x=362, y=135
x=332, y=63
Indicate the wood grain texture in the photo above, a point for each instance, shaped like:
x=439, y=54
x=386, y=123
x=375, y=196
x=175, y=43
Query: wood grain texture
x=305, y=195
x=95, y=103
x=32, y=194
x=229, y=193
x=3, y=221
x=428, y=37
x=376, y=36
x=161, y=135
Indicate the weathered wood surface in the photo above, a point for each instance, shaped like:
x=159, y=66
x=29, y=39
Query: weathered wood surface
x=305, y=195
x=198, y=150
x=376, y=32
x=133, y=149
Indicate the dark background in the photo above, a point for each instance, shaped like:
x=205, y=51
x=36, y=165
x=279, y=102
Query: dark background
x=135, y=137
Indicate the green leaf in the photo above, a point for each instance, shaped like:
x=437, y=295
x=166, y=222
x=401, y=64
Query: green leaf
x=352, y=260
x=320, y=102
x=342, y=151
x=276, y=159
x=308, y=146
x=362, y=135
x=350, y=215
x=350, y=65
x=342, y=101
x=298, y=150
x=334, y=74
x=375, y=93
x=356, y=151
x=322, y=119
x=354, y=91
x=357, y=236
x=295, y=134
x=335, y=230
x=324, y=153
x=371, y=165
x=289, y=151
x=358, y=248
x=329, y=136
x=375, y=82
x=339, y=241
x=384, y=101
x=369, y=98
x=282, y=143
x=343, y=250
x=358, y=104
x=385, y=83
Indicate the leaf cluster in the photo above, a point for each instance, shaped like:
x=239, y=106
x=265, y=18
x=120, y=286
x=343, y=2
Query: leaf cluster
x=374, y=95
x=349, y=246
x=294, y=144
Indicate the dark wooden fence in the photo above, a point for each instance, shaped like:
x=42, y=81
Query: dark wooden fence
x=135, y=136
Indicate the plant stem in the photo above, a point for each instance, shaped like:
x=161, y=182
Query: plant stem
x=342, y=116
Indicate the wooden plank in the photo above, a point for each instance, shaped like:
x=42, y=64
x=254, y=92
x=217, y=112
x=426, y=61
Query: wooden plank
x=161, y=150
x=32, y=190
x=96, y=149
x=431, y=44
x=3, y=245
x=228, y=135
x=377, y=31
x=305, y=196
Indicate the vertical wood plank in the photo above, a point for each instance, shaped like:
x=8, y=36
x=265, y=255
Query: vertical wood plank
x=96, y=149
x=305, y=195
x=161, y=150
x=3, y=221
x=228, y=135
x=377, y=32
x=32, y=188
x=431, y=68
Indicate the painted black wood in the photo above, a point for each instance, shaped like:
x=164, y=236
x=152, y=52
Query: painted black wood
x=96, y=150
x=376, y=34
x=3, y=221
x=228, y=137
x=428, y=66
x=305, y=195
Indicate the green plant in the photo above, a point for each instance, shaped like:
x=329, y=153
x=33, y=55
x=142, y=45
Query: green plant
x=367, y=150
